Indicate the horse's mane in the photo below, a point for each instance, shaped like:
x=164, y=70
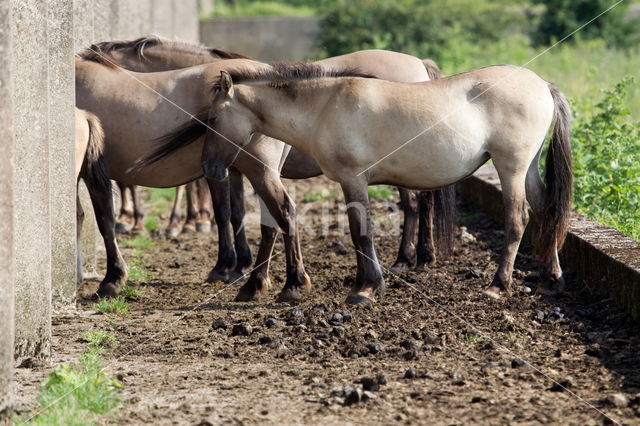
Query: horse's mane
x=140, y=44
x=95, y=53
x=284, y=75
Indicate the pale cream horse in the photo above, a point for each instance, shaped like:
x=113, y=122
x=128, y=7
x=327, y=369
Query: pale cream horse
x=365, y=131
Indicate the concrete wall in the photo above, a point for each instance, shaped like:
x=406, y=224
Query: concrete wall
x=7, y=277
x=267, y=39
x=37, y=205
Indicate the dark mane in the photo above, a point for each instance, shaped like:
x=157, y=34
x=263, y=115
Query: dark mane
x=95, y=53
x=282, y=75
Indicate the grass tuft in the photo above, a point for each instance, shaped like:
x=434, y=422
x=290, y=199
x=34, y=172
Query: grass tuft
x=118, y=306
x=131, y=293
x=379, y=192
x=98, y=340
x=138, y=242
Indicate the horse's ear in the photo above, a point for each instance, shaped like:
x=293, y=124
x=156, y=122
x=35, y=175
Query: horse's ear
x=226, y=83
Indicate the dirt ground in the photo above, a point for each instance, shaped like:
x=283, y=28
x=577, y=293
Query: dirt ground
x=526, y=359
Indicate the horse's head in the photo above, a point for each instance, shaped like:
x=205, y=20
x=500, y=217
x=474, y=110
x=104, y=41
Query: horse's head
x=231, y=125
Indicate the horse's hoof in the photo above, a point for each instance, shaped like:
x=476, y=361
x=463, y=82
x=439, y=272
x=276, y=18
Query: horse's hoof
x=358, y=299
x=188, y=229
x=496, y=291
x=203, y=227
x=289, y=295
x=216, y=276
x=399, y=267
x=123, y=228
x=550, y=286
x=173, y=232
x=108, y=290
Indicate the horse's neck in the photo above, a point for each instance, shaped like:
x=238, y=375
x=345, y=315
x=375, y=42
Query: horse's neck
x=284, y=117
x=163, y=59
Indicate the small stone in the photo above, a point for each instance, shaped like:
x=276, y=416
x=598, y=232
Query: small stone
x=322, y=336
x=410, y=374
x=374, y=348
x=346, y=316
x=271, y=322
x=517, y=363
x=408, y=345
x=455, y=375
x=352, y=395
x=525, y=289
x=338, y=331
x=465, y=236
x=264, y=412
x=339, y=391
x=369, y=384
x=336, y=318
x=296, y=313
x=538, y=315
x=617, y=400
x=220, y=323
x=241, y=330
x=477, y=399
x=265, y=340
x=562, y=384
x=381, y=379
x=371, y=334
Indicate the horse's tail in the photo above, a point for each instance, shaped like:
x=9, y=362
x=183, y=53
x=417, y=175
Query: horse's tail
x=95, y=169
x=445, y=210
x=432, y=69
x=558, y=178
x=180, y=137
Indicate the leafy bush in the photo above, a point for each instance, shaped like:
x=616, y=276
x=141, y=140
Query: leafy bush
x=562, y=17
x=606, y=155
x=422, y=28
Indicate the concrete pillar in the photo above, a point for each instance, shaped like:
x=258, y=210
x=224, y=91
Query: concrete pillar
x=7, y=277
x=144, y=17
x=32, y=237
x=61, y=160
x=205, y=8
x=162, y=18
x=185, y=20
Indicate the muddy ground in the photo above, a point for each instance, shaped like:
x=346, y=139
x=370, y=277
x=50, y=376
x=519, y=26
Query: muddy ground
x=521, y=360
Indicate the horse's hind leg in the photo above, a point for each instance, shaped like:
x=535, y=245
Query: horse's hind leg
x=79, y=223
x=174, y=219
x=407, y=252
x=138, y=213
x=552, y=280
x=259, y=283
x=189, y=226
x=102, y=200
x=124, y=223
x=369, y=279
x=203, y=222
x=243, y=251
x=516, y=218
x=426, y=250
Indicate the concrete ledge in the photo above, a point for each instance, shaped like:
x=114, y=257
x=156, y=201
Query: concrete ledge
x=600, y=256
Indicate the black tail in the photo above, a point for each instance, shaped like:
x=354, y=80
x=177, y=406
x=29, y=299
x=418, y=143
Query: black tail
x=445, y=209
x=95, y=169
x=558, y=180
x=181, y=137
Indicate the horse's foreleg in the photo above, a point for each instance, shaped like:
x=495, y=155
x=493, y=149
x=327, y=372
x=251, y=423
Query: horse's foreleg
x=192, y=209
x=222, y=211
x=203, y=223
x=516, y=218
x=369, y=279
x=426, y=247
x=282, y=209
x=243, y=251
x=124, y=223
x=174, y=219
x=259, y=283
x=101, y=198
x=407, y=252
x=138, y=213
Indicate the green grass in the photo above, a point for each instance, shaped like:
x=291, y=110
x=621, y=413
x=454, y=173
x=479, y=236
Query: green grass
x=131, y=293
x=138, y=242
x=321, y=196
x=161, y=201
x=260, y=8
x=118, y=306
x=82, y=393
x=378, y=192
x=137, y=270
x=99, y=340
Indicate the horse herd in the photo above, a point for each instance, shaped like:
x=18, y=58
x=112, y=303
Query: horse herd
x=161, y=113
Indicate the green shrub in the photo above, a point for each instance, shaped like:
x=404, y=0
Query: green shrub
x=562, y=17
x=606, y=155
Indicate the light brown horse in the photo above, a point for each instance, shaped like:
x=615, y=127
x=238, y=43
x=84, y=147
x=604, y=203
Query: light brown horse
x=422, y=136
x=153, y=54
x=90, y=167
